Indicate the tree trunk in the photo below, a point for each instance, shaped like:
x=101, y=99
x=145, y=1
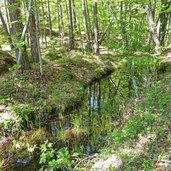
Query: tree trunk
x=49, y=18
x=88, y=21
x=75, y=15
x=44, y=22
x=33, y=39
x=17, y=27
x=58, y=15
x=71, y=26
x=60, y=20
x=7, y=15
x=153, y=29
x=123, y=10
x=38, y=36
x=86, y=24
x=163, y=21
x=96, y=40
x=6, y=30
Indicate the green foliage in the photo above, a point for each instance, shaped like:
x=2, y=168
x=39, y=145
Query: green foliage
x=15, y=68
x=156, y=97
x=53, y=159
x=55, y=53
x=25, y=113
x=137, y=124
x=141, y=162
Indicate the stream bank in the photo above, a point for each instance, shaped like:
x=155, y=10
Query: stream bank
x=101, y=111
x=28, y=100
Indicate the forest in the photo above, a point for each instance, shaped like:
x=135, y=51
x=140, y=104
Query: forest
x=85, y=85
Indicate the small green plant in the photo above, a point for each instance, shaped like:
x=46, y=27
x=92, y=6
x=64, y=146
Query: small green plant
x=51, y=158
x=15, y=67
x=136, y=124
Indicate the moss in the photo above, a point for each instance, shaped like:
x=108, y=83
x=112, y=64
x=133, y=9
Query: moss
x=55, y=53
x=164, y=67
x=6, y=61
x=33, y=97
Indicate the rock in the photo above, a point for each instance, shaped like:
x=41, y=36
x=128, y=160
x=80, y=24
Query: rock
x=105, y=165
x=90, y=150
x=9, y=123
x=167, y=53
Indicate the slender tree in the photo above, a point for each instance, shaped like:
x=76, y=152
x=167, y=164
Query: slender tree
x=74, y=14
x=44, y=22
x=163, y=20
x=6, y=30
x=17, y=31
x=152, y=28
x=33, y=38
x=86, y=24
x=96, y=39
x=71, y=26
x=38, y=36
x=49, y=18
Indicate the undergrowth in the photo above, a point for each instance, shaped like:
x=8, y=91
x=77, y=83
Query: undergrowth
x=33, y=97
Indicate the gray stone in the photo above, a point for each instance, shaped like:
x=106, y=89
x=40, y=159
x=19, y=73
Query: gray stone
x=113, y=162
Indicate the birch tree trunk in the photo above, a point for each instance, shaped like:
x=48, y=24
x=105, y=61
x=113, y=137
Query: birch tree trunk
x=60, y=20
x=152, y=29
x=96, y=40
x=7, y=15
x=75, y=15
x=49, y=18
x=17, y=28
x=89, y=22
x=86, y=24
x=71, y=26
x=44, y=22
x=6, y=30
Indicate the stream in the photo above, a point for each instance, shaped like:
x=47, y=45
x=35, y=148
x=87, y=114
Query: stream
x=100, y=112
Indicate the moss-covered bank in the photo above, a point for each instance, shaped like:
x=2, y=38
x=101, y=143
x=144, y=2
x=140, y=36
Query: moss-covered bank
x=30, y=99
x=62, y=86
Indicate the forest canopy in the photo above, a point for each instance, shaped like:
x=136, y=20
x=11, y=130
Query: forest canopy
x=85, y=85
x=126, y=25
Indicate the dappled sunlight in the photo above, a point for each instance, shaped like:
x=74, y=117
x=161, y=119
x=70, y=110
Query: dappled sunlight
x=85, y=85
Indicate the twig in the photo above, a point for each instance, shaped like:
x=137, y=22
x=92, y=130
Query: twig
x=116, y=87
x=81, y=161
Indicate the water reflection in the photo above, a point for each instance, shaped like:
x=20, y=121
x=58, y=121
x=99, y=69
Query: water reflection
x=98, y=107
x=101, y=108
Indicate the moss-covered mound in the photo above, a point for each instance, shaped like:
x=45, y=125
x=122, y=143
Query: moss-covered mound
x=33, y=98
x=6, y=61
